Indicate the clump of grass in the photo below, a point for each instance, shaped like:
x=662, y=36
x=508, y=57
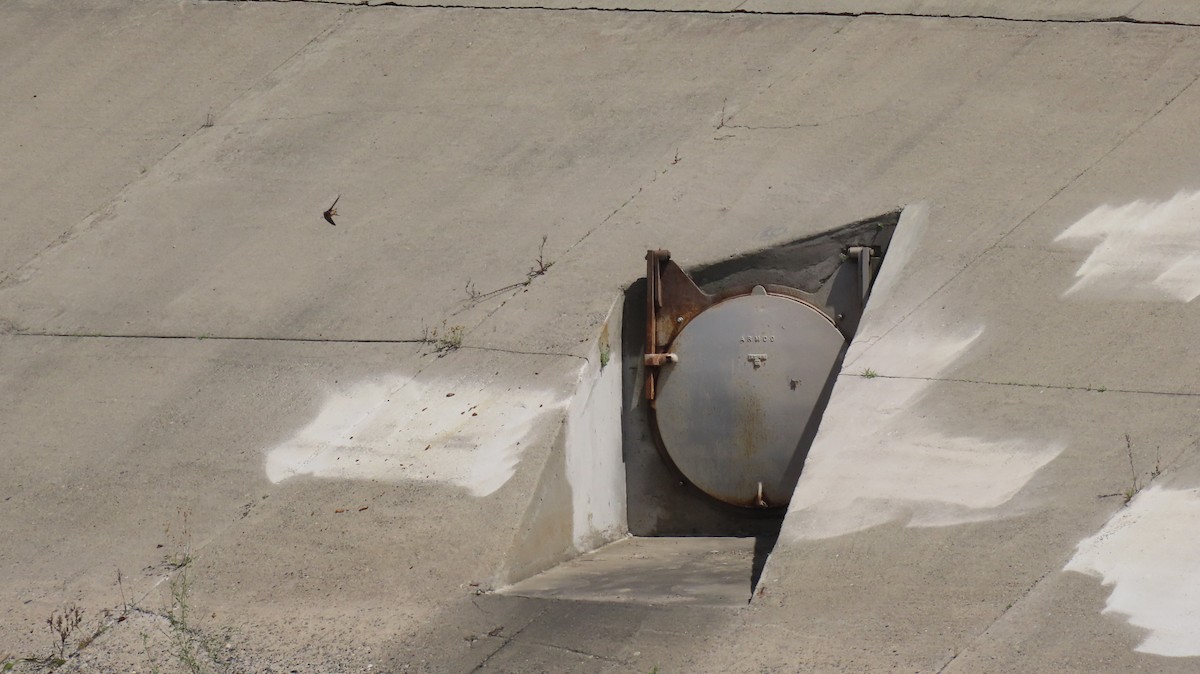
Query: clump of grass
x=444, y=339
x=185, y=643
x=62, y=624
x=1135, y=484
x=1134, y=487
x=868, y=374
x=541, y=265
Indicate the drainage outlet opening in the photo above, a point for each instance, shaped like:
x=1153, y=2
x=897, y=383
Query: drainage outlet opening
x=727, y=371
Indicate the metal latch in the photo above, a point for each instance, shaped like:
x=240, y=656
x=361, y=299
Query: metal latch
x=659, y=359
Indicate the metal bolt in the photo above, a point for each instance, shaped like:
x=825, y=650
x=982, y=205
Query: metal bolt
x=679, y=319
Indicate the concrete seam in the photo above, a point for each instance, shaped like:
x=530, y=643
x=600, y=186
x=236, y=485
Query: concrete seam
x=611, y=215
x=1056, y=387
x=585, y=654
x=1000, y=617
x=302, y=340
x=736, y=10
x=508, y=640
x=519, y=352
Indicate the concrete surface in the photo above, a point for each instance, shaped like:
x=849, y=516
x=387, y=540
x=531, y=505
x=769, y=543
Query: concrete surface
x=698, y=570
x=177, y=319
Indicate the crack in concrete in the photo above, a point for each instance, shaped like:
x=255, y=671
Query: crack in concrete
x=509, y=639
x=1000, y=617
x=222, y=338
x=497, y=349
x=771, y=128
x=302, y=340
x=585, y=654
x=739, y=9
x=1055, y=387
x=610, y=216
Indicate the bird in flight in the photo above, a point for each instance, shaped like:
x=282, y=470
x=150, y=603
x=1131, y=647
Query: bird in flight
x=332, y=212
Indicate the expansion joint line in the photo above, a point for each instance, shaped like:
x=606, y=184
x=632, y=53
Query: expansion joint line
x=301, y=340
x=220, y=338
x=508, y=639
x=1033, y=586
x=1053, y=387
x=734, y=10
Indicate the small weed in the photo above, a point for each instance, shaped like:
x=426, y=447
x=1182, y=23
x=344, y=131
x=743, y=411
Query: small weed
x=724, y=119
x=102, y=626
x=473, y=294
x=125, y=606
x=541, y=265
x=444, y=339
x=1134, y=487
x=868, y=374
x=605, y=355
x=183, y=641
x=208, y=121
x=452, y=340
x=146, y=651
x=185, y=644
x=62, y=624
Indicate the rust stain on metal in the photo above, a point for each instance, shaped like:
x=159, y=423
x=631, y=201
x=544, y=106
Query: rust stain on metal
x=672, y=299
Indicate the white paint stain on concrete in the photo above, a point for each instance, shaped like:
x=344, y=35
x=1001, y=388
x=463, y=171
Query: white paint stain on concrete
x=393, y=428
x=1145, y=250
x=878, y=459
x=1150, y=554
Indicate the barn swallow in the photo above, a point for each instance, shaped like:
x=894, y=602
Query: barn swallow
x=332, y=212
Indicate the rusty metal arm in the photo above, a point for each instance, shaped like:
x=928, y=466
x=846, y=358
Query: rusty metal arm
x=672, y=299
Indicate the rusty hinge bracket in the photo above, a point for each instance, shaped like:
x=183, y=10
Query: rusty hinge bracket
x=672, y=299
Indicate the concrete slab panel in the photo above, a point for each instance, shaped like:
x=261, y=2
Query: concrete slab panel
x=151, y=447
x=1031, y=335
x=98, y=92
x=1059, y=625
x=704, y=571
x=422, y=164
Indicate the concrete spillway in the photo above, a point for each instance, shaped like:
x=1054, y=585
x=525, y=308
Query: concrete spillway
x=350, y=435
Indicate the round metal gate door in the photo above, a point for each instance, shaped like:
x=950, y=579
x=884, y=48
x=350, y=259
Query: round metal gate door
x=733, y=411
